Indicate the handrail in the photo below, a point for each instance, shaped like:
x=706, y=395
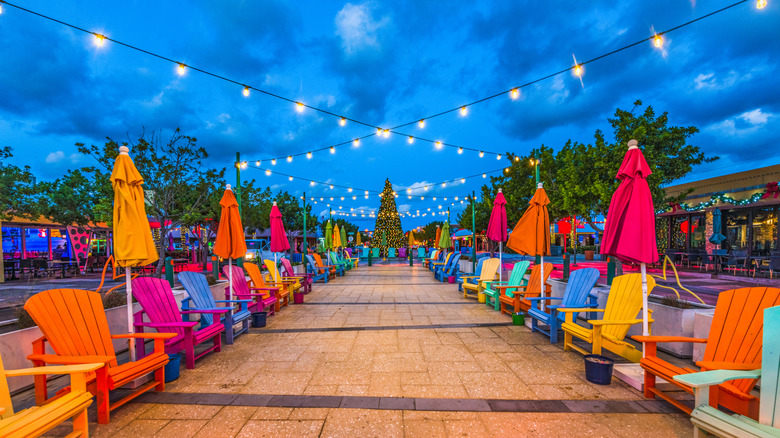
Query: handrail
x=677, y=277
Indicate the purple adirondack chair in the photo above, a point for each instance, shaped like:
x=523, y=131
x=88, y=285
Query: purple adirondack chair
x=242, y=291
x=402, y=252
x=157, y=302
x=305, y=279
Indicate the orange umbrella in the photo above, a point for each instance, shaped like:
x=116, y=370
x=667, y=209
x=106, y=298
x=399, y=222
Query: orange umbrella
x=531, y=235
x=230, y=243
x=133, y=244
x=438, y=236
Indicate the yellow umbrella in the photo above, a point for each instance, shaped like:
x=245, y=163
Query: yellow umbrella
x=357, y=238
x=337, y=237
x=133, y=244
x=411, y=238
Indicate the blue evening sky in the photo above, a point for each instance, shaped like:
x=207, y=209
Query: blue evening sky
x=385, y=63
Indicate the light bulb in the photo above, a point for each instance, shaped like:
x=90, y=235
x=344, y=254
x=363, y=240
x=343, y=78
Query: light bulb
x=460, y=150
x=99, y=39
x=290, y=178
x=481, y=154
x=658, y=41
x=498, y=157
x=299, y=106
x=246, y=91
x=438, y=145
x=463, y=111
x=332, y=150
x=422, y=123
x=181, y=69
x=349, y=190
x=273, y=161
x=463, y=180
x=289, y=158
x=411, y=139
x=343, y=121
x=517, y=158
x=387, y=133
x=257, y=163
x=331, y=186
x=760, y=4
x=484, y=175
x=313, y=183
x=379, y=131
x=515, y=93
x=268, y=172
x=308, y=154
x=578, y=70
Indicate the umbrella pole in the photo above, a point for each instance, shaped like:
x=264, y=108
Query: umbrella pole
x=230, y=278
x=541, y=286
x=129, y=289
x=500, y=262
x=645, y=316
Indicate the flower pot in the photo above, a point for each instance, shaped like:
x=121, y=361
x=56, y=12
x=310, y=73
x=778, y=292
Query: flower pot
x=298, y=298
x=259, y=319
x=172, y=367
x=451, y=279
x=518, y=319
x=598, y=369
x=589, y=255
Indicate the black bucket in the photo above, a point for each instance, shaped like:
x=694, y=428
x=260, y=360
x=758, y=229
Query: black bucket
x=598, y=369
x=258, y=319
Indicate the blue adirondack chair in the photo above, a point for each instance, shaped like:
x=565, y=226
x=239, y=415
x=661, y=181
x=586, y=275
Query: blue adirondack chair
x=317, y=274
x=420, y=253
x=201, y=298
x=480, y=260
x=391, y=253
x=364, y=253
x=576, y=296
x=440, y=257
x=451, y=269
x=516, y=278
x=441, y=264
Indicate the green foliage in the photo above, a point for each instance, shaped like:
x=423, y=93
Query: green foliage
x=114, y=299
x=80, y=197
x=348, y=226
x=24, y=320
x=19, y=195
x=428, y=232
x=387, y=220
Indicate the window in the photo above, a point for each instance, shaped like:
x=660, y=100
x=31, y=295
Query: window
x=764, y=236
x=697, y=231
x=736, y=230
x=12, y=243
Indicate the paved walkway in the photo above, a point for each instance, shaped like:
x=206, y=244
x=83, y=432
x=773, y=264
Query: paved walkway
x=388, y=351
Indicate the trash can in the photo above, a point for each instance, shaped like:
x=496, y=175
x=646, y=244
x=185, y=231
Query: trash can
x=481, y=297
x=258, y=319
x=518, y=319
x=598, y=369
x=297, y=298
x=172, y=367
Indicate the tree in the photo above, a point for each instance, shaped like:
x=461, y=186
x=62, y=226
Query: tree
x=387, y=220
x=19, y=194
x=203, y=220
x=348, y=226
x=171, y=170
x=428, y=232
x=80, y=197
x=292, y=215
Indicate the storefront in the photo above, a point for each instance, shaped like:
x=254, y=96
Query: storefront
x=749, y=206
x=42, y=239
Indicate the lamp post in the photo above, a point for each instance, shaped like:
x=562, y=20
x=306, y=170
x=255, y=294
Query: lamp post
x=473, y=235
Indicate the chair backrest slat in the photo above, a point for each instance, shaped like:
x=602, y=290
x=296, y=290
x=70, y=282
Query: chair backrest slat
x=156, y=298
x=624, y=302
x=581, y=282
x=287, y=266
x=197, y=287
x=489, y=270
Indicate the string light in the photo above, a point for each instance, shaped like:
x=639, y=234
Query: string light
x=658, y=42
x=289, y=158
x=517, y=158
x=760, y=4
x=411, y=139
x=331, y=186
x=379, y=131
x=299, y=106
x=387, y=133
x=462, y=180
x=481, y=154
x=246, y=91
x=349, y=190
x=99, y=39
x=463, y=111
x=181, y=69
x=308, y=155
x=291, y=178
x=438, y=145
x=498, y=157
x=484, y=175
x=273, y=162
x=257, y=163
x=422, y=123
x=332, y=150
x=268, y=173
x=343, y=121
x=515, y=93
x=578, y=70
x=460, y=150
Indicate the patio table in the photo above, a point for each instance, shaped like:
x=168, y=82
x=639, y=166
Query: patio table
x=62, y=265
x=11, y=264
x=757, y=260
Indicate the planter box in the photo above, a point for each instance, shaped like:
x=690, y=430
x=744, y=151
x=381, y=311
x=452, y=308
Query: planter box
x=589, y=255
x=702, y=322
x=672, y=321
x=299, y=269
x=16, y=345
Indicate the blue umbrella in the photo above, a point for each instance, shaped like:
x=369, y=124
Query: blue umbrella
x=716, y=237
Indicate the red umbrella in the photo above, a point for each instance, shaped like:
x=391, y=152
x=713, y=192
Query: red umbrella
x=496, y=230
x=629, y=233
x=279, y=241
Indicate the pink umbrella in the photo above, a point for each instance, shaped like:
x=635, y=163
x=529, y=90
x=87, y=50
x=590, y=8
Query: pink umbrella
x=496, y=230
x=279, y=241
x=629, y=233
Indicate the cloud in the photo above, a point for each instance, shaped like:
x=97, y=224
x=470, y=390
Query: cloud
x=357, y=27
x=55, y=157
x=755, y=117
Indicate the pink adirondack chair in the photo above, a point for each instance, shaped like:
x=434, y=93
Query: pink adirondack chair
x=304, y=279
x=242, y=290
x=158, y=304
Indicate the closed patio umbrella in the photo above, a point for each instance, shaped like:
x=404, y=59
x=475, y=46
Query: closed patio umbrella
x=496, y=230
x=531, y=235
x=336, y=237
x=343, y=235
x=328, y=236
x=230, y=243
x=438, y=235
x=279, y=242
x=133, y=244
x=357, y=239
x=444, y=238
x=411, y=238
x=629, y=232
x=716, y=236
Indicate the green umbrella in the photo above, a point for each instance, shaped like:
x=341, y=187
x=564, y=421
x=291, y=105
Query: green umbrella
x=328, y=236
x=343, y=238
x=444, y=240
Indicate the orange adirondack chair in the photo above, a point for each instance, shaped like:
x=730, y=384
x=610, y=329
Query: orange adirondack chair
x=74, y=323
x=734, y=343
x=320, y=265
x=516, y=300
x=281, y=292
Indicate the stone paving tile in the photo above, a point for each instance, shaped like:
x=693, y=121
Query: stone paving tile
x=181, y=429
x=227, y=423
x=276, y=428
x=363, y=423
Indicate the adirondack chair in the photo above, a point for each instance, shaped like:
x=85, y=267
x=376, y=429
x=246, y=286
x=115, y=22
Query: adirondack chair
x=432, y=257
x=391, y=253
x=708, y=419
x=157, y=303
x=74, y=324
x=364, y=253
x=734, y=343
x=402, y=253
x=437, y=267
x=375, y=253
x=577, y=295
x=340, y=265
x=439, y=256
x=276, y=279
x=516, y=280
x=268, y=295
x=38, y=420
x=451, y=269
x=304, y=279
x=348, y=263
x=319, y=269
x=472, y=278
x=421, y=253
x=489, y=273
x=201, y=298
x=623, y=305
x=516, y=300
x=333, y=269
x=354, y=260
x=316, y=273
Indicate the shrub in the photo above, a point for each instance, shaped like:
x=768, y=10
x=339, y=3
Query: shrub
x=673, y=301
x=114, y=299
x=210, y=279
x=24, y=319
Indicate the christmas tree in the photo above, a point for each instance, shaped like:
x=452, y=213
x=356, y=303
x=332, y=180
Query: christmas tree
x=387, y=220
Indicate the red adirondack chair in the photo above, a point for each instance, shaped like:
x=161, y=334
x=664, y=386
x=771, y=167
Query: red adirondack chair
x=157, y=302
x=304, y=279
x=266, y=297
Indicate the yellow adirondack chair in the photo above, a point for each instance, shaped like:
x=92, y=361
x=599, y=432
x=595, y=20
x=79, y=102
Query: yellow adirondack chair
x=623, y=306
x=38, y=420
x=292, y=283
x=489, y=272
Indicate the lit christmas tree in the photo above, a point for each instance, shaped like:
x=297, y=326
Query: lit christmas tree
x=387, y=220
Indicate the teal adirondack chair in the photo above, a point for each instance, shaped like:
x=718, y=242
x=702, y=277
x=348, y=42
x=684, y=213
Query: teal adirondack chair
x=516, y=278
x=391, y=253
x=201, y=298
x=707, y=419
x=374, y=253
x=480, y=260
x=450, y=269
x=334, y=258
x=576, y=296
x=364, y=253
x=421, y=253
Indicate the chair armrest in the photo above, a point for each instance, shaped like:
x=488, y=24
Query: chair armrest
x=233, y=301
x=578, y=309
x=61, y=369
x=715, y=377
x=263, y=288
x=543, y=298
x=504, y=287
x=599, y=322
x=469, y=276
x=71, y=360
x=655, y=339
x=212, y=311
x=182, y=324
x=728, y=366
x=144, y=336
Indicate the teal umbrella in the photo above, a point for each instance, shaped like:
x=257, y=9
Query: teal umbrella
x=444, y=240
x=716, y=237
x=328, y=236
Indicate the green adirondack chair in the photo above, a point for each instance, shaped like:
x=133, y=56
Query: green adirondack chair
x=709, y=420
x=334, y=258
x=516, y=278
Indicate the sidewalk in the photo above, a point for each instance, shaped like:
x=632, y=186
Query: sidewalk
x=388, y=351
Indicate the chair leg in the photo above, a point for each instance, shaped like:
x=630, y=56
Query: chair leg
x=649, y=384
x=567, y=340
x=80, y=424
x=159, y=377
x=553, y=328
x=218, y=342
x=104, y=412
x=189, y=350
x=228, y=328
